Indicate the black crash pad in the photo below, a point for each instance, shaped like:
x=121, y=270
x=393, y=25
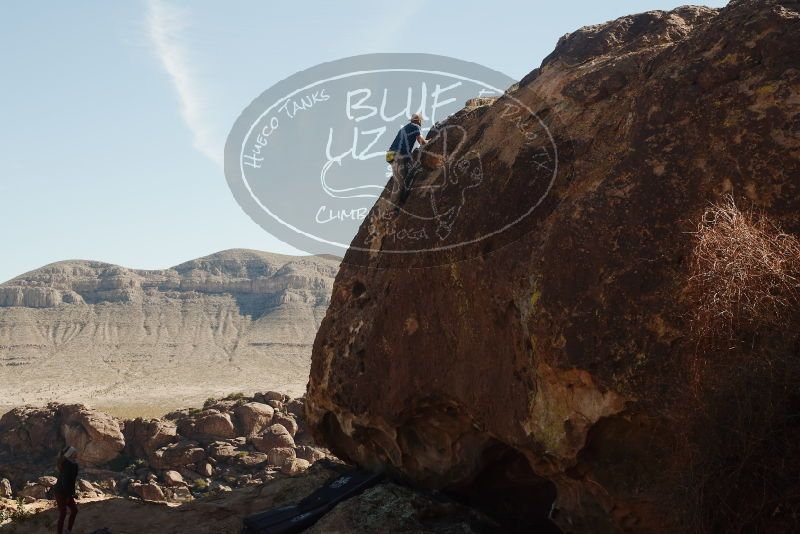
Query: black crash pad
x=300, y=516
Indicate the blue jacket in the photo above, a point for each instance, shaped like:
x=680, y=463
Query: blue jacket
x=404, y=141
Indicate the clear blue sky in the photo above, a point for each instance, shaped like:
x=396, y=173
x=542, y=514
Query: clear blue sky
x=113, y=115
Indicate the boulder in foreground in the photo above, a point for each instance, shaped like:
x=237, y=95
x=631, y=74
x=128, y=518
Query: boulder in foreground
x=552, y=369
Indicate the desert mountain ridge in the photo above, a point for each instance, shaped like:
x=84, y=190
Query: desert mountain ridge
x=88, y=331
x=77, y=281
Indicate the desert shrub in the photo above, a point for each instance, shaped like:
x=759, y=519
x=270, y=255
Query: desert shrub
x=20, y=514
x=135, y=463
x=209, y=402
x=239, y=397
x=738, y=410
x=200, y=484
x=744, y=272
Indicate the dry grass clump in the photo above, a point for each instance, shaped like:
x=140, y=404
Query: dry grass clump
x=744, y=272
x=738, y=412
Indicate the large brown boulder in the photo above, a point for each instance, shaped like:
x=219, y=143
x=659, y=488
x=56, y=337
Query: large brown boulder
x=144, y=436
x=5, y=489
x=551, y=363
x=148, y=492
x=34, y=490
x=286, y=421
x=253, y=417
x=390, y=508
x=279, y=455
x=221, y=450
x=178, y=454
x=209, y=425
x=31, y=431
x=217, y=425
x=173, y=478
x=293, y=466
x=96, y=435
x=275, y=436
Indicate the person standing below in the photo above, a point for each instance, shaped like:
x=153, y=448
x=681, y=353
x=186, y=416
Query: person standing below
x=64, y=489
x=399, y=156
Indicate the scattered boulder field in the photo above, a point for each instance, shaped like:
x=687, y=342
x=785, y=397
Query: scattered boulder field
x=199, y=470
x=386, y=507
x=229, y=443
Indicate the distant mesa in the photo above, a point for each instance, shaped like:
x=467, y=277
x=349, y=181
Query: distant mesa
x=88, y=331
x=237, y=272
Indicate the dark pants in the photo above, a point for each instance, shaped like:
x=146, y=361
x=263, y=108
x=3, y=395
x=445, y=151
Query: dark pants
x=64, y=502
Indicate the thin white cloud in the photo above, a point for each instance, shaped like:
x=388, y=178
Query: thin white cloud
x=165, y=25
x=389, y=30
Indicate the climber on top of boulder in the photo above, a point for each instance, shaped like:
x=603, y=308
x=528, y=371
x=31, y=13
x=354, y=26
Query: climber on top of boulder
x=399, y=156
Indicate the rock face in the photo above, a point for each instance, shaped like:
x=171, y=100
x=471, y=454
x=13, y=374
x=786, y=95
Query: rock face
x=254, y=417
x=275, y=436
x=34, y=491
x=178, y=454
x=173, y=478
x=97, y=436
x=30, y=430
x=148, y=492
x=553, y=362
x=84, y=331
x=5, y=489
x=38, y=433
x=208, y=425
x=144, y=437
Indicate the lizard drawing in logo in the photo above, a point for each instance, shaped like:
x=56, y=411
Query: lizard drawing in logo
x=451, y=173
